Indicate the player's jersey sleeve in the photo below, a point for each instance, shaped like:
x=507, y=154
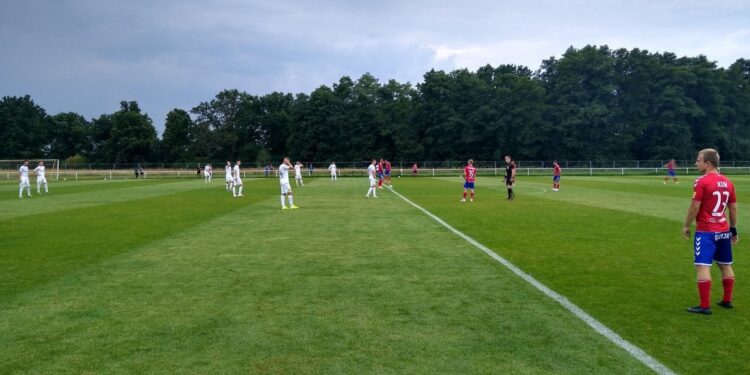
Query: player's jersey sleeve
x=732, y=197
x=699, y=189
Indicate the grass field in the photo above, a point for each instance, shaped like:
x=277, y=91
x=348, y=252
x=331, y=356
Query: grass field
x=174, y=276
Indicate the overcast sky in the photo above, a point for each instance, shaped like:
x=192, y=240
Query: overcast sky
x=86, y=56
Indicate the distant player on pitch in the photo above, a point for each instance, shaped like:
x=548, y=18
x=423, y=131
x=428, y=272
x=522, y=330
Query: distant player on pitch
x=23, y=180
x=228, y=178
x=371, y=173
x=671, y=172
x=556, y=170
x=388, y=173
x=286, y=189
x=332, y=169
x=510, y=176
x=381, y=174
x=298, y=174
x=40, y=178
x=470, y=174
x=207, y=171
x=237, y=180
x=714, y=235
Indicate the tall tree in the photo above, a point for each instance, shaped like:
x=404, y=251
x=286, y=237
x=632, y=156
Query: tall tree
x=23, y=128
x=176, y=142
x=69, y=135
x=133, y=136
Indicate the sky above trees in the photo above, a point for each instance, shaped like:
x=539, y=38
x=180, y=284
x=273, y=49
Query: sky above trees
x=87, y=56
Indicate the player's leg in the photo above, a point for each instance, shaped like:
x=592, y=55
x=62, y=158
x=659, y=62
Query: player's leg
x=46, y=186
x=39, y=186
x=239, y=194
x=724, y=259
x=472, y=195
x=20, y=189
x=705, y=248
x=290, y=198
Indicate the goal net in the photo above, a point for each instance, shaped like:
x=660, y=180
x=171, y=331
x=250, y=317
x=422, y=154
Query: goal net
x=52, y=166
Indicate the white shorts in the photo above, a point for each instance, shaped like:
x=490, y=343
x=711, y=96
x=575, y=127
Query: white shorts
x=238, y=181
x=373, y=182
x=41, y=180
x=285, y=188
x=298, y=177
x=24, y=182
x=230, y=179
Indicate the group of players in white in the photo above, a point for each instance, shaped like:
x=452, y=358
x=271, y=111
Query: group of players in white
x=233, y=181
x=23, y=179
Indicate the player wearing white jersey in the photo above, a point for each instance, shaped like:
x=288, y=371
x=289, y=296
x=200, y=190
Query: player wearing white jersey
x=23, y=180
x=40, y=179
x=332, y=169
x=237, y=180
x=229, y=179
x=286, y=189
x=298, y=174
x=371, y=172
x=207, y=171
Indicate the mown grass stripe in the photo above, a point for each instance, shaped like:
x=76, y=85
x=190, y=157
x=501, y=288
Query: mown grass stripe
x=612, y=336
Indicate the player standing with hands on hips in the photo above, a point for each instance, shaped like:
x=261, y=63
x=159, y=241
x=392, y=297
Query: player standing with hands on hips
x=714, y=235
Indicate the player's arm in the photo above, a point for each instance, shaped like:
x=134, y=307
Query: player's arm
x=513, y=174
x=733, y=222
x=691, y=214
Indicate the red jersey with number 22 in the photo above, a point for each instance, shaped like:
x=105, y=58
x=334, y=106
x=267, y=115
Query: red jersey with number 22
x=470, y=173
x=715, y=192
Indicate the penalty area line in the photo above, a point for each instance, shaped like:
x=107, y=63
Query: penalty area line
x=598, y=326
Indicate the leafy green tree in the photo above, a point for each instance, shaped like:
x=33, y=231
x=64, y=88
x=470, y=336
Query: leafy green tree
x=23, y=128
x=69, y=135
x=176, y=142
x=133, y=136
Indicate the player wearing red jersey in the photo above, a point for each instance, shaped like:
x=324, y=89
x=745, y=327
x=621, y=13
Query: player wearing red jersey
x=470, y=175
x=671, y=172
x=556, y=170
x=714, y=235
x=381, y=174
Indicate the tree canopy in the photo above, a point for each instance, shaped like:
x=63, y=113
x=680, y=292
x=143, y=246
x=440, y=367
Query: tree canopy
x=592, y=103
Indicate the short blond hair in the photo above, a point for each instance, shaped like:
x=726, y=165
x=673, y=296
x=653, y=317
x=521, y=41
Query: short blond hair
x=711, y=156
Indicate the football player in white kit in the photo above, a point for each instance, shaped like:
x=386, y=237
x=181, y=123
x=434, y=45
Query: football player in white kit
x=40, y=179
x=371, y=172
x=286, y=189
x=23, y=180
x=298, y=174
x=332, y=168
x=207, y=173
x=237, y=180
x=228, y=178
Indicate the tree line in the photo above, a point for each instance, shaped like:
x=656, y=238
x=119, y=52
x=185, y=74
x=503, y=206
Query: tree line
x=592, y=103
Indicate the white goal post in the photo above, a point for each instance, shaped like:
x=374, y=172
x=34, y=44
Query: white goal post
x=52, y=165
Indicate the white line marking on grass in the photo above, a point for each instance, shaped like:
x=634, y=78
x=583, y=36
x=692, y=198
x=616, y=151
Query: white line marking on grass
x=633, y=350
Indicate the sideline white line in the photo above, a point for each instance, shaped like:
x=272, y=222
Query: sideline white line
x=633, y=350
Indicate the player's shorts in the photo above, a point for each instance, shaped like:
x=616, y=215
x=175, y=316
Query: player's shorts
x=387, y=173
x=508, y=181
x=229, y=179
x=671, y=173
x=285, y=188
x=380, y=175
x=41, y=180
x=373, y=182
x=238, y=181
x=468, y=185
x=298, y=177
x=556, y=178
x=713, y=246
x=24, y=182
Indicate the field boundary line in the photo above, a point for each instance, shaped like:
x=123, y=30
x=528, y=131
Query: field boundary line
x=598, y=326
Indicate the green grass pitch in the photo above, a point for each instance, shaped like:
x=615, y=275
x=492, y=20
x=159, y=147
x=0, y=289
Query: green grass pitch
x=167, y=276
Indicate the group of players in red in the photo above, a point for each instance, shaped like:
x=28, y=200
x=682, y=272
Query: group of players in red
x=470, y=174
x=713, y=196
x=384, y=173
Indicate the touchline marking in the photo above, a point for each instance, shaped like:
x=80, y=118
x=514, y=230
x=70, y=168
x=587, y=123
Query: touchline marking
x=598, y=326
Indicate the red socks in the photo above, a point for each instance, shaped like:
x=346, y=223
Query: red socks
x=472, y=195
x=464, y=195
x=704, y=290
x=728, y=287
